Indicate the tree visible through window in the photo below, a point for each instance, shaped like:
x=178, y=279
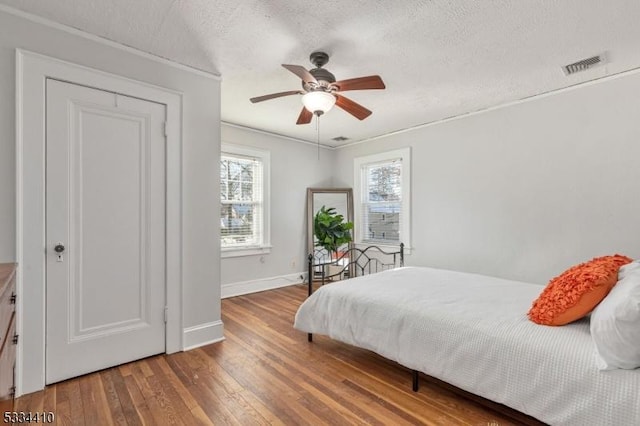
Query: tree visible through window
x=382, y=191
x=241, y=196
x=382, y=201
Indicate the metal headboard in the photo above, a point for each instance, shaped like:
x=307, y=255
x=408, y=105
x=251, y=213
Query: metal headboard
x=351, y=263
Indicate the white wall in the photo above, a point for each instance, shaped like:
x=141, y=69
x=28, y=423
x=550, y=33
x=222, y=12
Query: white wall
x=526, y=190
x=201, y=145
x=294, y=167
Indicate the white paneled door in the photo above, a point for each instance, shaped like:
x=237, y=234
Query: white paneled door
x=105, y=229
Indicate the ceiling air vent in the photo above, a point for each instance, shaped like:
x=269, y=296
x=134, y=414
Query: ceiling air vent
x=583, y=65
x=340, y=139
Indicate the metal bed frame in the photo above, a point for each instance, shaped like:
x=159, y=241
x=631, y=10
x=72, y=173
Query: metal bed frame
x=353, y=262
x=357, y=262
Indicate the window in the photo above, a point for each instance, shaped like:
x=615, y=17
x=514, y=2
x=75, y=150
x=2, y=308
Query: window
x=382, y=195
x=244, y=196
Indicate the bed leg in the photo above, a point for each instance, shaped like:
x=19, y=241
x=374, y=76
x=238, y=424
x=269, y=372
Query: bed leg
x=309, y=337
x=416, y=380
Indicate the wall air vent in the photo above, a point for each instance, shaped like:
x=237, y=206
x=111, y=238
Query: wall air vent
x=583, y=65
x=340, y=139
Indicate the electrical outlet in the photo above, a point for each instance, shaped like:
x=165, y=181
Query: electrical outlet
x=293, y=264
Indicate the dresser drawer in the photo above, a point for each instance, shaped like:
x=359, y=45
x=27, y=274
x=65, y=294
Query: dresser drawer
x=7, y=331
x=7, y=362
x=7, y=308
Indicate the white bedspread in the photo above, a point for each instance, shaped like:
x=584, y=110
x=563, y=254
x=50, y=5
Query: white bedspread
x=472, y=332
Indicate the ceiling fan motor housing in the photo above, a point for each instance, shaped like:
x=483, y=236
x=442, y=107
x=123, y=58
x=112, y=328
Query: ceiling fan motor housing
x=324, y=77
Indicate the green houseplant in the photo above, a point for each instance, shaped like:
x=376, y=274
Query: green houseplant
x=331, y=230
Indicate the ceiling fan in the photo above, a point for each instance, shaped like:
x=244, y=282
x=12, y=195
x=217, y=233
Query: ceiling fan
x=321, y=90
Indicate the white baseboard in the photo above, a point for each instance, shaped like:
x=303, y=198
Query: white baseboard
x=262, y=284
x=203, y=334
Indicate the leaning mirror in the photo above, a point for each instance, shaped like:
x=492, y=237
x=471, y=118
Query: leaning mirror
x=341, y=199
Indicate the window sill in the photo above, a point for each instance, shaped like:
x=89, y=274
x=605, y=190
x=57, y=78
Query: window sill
x=244, y=251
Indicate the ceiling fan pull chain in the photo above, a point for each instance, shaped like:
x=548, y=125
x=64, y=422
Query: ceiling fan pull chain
x=318, y=133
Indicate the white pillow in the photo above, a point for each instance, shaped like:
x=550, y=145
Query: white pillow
x=615, y=322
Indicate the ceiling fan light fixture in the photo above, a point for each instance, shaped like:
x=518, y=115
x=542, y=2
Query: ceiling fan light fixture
x=318, y=101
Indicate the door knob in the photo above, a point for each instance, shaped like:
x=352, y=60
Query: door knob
x=59, y=248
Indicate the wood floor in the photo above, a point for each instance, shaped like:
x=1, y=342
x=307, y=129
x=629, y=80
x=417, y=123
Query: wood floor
x=265, y=372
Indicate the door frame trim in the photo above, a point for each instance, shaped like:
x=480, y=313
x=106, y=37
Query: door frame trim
x=32, y=70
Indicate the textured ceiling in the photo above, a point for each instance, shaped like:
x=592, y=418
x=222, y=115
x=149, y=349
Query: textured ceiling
x=438, y=58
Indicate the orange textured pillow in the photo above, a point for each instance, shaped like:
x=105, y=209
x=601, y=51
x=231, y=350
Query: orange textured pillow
x=574, y=293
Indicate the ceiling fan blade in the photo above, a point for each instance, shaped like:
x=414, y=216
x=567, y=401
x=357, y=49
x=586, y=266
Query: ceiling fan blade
x=275, y=95
x=302, y=73
x=360, y=83
x=353, y=108
x=305, y=116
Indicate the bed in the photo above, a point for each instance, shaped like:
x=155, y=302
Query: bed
x=472, y=332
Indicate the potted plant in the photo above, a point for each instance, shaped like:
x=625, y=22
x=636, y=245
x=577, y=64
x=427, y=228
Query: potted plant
x=331, y=230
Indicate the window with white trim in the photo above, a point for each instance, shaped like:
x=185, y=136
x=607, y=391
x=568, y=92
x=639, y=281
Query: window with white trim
x=382, y=198
x=244, y=196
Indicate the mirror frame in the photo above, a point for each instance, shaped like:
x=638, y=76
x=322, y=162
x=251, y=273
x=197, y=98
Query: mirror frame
x=311, y=212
